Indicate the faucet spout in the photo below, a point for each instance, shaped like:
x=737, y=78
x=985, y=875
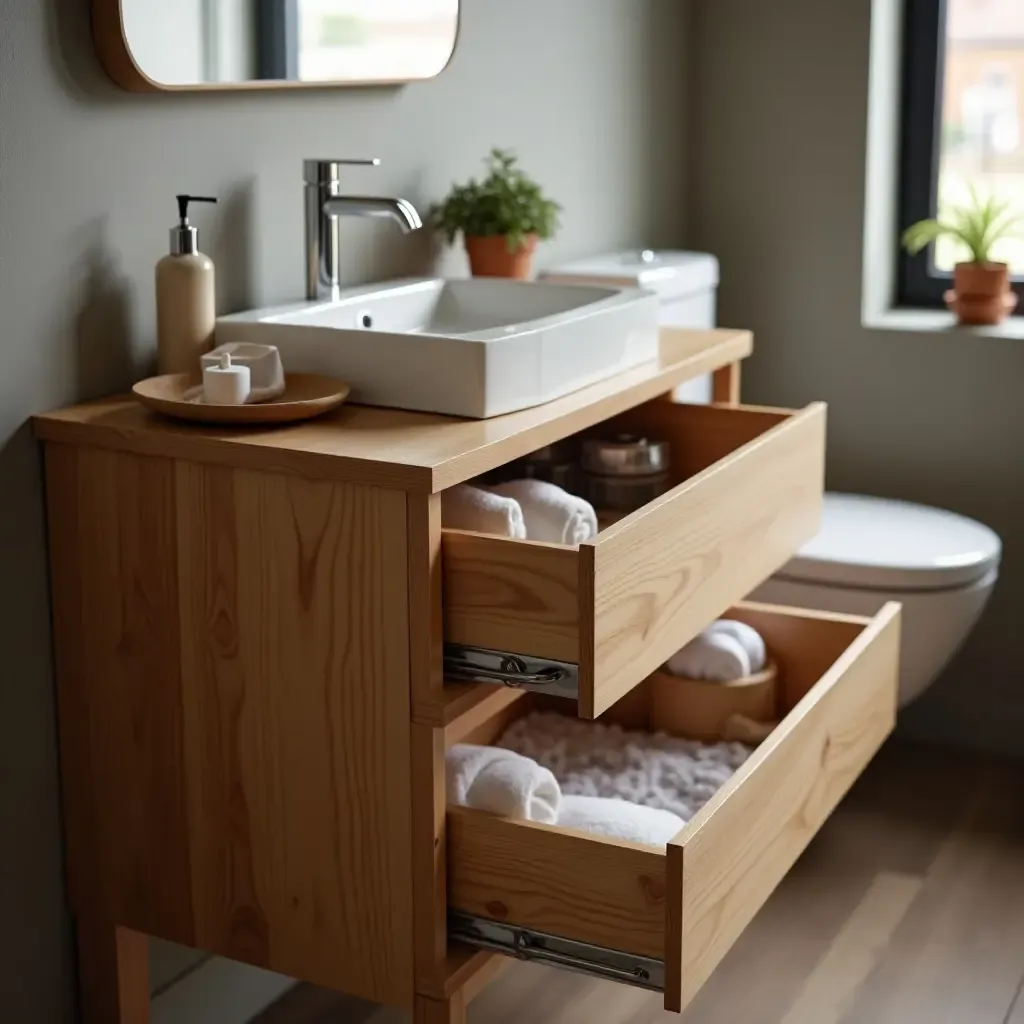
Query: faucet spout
x=325, y=205
x=401, y=211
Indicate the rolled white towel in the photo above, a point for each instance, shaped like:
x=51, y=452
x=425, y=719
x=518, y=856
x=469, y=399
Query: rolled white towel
x=752, y=641
x=619, y=819
x=503, y=782
x=464, y=507
x=713, y=656
x=551, y=513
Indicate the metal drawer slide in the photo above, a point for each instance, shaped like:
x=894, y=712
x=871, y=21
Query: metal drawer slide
x=479, y=665
x=568, y=954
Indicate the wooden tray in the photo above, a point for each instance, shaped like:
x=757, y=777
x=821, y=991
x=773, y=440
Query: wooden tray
x=305, y=395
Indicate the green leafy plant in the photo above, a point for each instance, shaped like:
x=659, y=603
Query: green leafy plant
x=977, y=226
x=506, y=202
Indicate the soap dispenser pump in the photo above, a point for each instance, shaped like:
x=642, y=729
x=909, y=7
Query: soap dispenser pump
x=185, y=297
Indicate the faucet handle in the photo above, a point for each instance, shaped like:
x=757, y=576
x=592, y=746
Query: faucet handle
x=328, y=172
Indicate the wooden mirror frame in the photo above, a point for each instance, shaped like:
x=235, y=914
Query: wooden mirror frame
x=116, y=58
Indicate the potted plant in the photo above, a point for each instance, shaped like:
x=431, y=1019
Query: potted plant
x=981, y=287
x=501, y=218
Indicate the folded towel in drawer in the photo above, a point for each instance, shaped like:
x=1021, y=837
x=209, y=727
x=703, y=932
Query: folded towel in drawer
x=619, y=819
x=551, y=514
x=727, y=650
x=471, y=508
x=503, y=782
x=716, y=657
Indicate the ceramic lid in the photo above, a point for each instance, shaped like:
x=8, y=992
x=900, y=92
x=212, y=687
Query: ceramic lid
x=670, y=273
x=894, y=545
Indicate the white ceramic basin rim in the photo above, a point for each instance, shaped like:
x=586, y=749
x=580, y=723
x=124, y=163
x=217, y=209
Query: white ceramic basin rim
x=479, y=347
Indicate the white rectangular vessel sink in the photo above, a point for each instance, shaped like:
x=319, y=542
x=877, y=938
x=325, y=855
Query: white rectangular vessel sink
x=476, y=348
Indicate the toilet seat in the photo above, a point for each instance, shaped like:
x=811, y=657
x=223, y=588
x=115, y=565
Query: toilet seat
x=880, y=544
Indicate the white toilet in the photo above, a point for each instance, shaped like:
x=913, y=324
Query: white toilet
x=940, y=565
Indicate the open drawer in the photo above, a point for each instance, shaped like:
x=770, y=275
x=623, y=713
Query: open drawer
x=664, y=919
x=590, y=622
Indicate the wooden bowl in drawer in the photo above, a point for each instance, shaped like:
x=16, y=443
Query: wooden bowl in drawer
x=699, y=708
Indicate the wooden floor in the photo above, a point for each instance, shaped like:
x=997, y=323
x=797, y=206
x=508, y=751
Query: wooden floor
x=908, y=908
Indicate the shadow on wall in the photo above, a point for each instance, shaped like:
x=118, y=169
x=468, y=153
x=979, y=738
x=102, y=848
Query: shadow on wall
x=30, y=860
x=101, y=348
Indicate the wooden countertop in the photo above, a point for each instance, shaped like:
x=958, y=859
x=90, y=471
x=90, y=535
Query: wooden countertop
x=392, y=447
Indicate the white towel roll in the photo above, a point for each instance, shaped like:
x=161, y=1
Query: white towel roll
x=551, y=513
x=619, y=819
x=713, y=656
x=464, y=507
x=502, y=782
x=752, y=641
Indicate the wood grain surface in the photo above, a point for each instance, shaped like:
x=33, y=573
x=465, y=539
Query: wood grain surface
x=752, y=495
x=731, y=856
x=233, y=683
x=509, y=595
x=391, y=447
x=113, y=973
x=842, y=676
x=115, y=598
x=306, y=396
x=566, y=883
x=296, y=694
x=837, y=942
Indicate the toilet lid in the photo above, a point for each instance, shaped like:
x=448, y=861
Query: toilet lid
x=894, y=545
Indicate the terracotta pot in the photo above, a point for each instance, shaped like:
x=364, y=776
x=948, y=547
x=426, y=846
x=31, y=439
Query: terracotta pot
x=981, y=293
x=489, y=256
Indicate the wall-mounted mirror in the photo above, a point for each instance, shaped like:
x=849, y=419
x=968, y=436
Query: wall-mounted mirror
x=153, y=45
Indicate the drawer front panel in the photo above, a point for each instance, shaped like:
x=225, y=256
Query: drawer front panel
x=660, y=576
x=728, y=861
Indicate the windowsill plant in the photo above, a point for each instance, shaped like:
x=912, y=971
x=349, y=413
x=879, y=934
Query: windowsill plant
x=981, y=293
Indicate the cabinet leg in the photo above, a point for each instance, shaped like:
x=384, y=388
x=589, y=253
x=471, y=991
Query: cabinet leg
x=440, y=1011
x=113, y=974
x=725, y=385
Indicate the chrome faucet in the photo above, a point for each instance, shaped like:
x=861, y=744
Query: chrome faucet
x=325, y=206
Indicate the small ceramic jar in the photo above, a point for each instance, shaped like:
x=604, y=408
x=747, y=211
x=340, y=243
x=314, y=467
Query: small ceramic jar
x=624, y=472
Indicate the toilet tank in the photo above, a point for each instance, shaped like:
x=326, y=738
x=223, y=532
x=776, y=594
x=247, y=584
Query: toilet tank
x=686, y=284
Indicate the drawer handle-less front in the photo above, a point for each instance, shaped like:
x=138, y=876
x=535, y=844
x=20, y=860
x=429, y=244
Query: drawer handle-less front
x=569, y=954
x=479, y=665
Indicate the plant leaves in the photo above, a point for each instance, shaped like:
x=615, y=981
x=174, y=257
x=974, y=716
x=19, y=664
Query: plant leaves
x=506, y=202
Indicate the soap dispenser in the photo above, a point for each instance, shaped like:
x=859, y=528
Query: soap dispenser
x=185, y=299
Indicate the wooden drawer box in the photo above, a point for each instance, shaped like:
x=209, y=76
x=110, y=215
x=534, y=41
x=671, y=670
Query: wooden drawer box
x=669, y=917
x=749, y=484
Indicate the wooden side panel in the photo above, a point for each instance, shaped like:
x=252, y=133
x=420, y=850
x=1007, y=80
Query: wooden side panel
x=565, y=883
x=115, y=608
x=426, y=608
x=295, y=662
x=428, y=859
x=511, y=595
x=727, y=861
x=662, y=574
x=113, y=973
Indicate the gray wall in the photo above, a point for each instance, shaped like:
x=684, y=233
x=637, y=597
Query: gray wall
x=589, y=92
x=778, y=130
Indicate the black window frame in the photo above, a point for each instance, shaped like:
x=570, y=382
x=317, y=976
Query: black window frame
x=919, y=284
x=277, y=40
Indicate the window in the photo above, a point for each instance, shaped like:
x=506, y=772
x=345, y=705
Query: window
x=963, y=126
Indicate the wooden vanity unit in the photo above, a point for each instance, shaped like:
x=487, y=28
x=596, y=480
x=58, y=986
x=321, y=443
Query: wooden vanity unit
x=252, y=629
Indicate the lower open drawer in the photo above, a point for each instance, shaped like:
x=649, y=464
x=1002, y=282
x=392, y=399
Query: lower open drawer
x=664, y=919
